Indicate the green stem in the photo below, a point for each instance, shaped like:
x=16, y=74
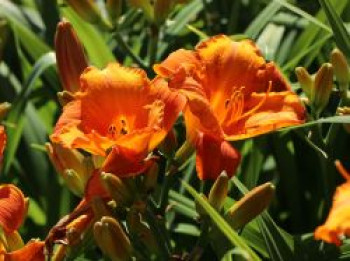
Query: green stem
x=126, y=47
x=158, y=228
x=153, y=44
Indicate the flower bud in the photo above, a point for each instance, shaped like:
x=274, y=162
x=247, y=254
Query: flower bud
x=75, y=229
x=305, y=80
x=14, y=241
x=65, y=97
x=116, y=188
x=341, y=69
x=151, y=177
x=114, y=9
x=322, y=88
x=86, y=9
x=250, y=206
x=4, y=109
x=184, y=153
x=73, y=167
x=111, y=239
x=218, y=191
x=70, y=56
x=162, y=9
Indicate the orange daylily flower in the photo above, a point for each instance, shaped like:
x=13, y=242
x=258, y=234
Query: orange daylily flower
x=232, y=93
x=337, y=224
x=121, y=110
x=13, y=208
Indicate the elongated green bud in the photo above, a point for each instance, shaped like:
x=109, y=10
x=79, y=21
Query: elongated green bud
x=74, y=167
x=218, y=192
x=305, y=80
x=111, y=239
x=250, y=206
x=322, y=88
x=116, y=188
x=341, y=70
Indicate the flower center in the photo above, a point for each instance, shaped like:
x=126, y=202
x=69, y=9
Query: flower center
x=235, y=107
x=118, y=128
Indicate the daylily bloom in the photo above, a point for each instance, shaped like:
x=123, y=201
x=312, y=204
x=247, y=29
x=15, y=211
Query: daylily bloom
x=121, y=114
x=233, y=94
x=13, y=208
x=337, y=224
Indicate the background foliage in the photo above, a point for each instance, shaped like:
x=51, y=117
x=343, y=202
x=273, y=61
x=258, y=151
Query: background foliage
x=292, y=33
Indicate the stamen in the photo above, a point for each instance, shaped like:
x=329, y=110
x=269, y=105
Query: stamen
x=258, y=106
x=234, y=107
x=342, y=170
x=112, y=130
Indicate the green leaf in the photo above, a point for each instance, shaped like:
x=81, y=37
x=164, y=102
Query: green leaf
x=262, y=19
x=98, y=51
x=342, y=37
x=15, y=115
x=221, y=224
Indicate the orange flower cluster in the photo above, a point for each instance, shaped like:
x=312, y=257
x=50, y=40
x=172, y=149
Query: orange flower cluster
x=118, y=116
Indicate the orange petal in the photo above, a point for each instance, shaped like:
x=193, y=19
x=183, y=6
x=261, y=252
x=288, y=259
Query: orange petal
x=32, y=251
x=125, y=162
x=280, y=109
x=338, y=221
x=230, y=65
x=179, y=59
x=215, y=156
x=94, y=188
x=12, y=208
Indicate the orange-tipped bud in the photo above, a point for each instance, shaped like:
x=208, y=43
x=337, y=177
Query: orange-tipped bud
x=341, y=69
x=322, y=88
x=112, y=239
x=218, y=191
x=70, y=56
x=76, y=228
x=251, y=205
x=86, y=9
x=116, y=188
x=162, y=9
x=305, y=80
x=73, y=167
x=114, y=9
